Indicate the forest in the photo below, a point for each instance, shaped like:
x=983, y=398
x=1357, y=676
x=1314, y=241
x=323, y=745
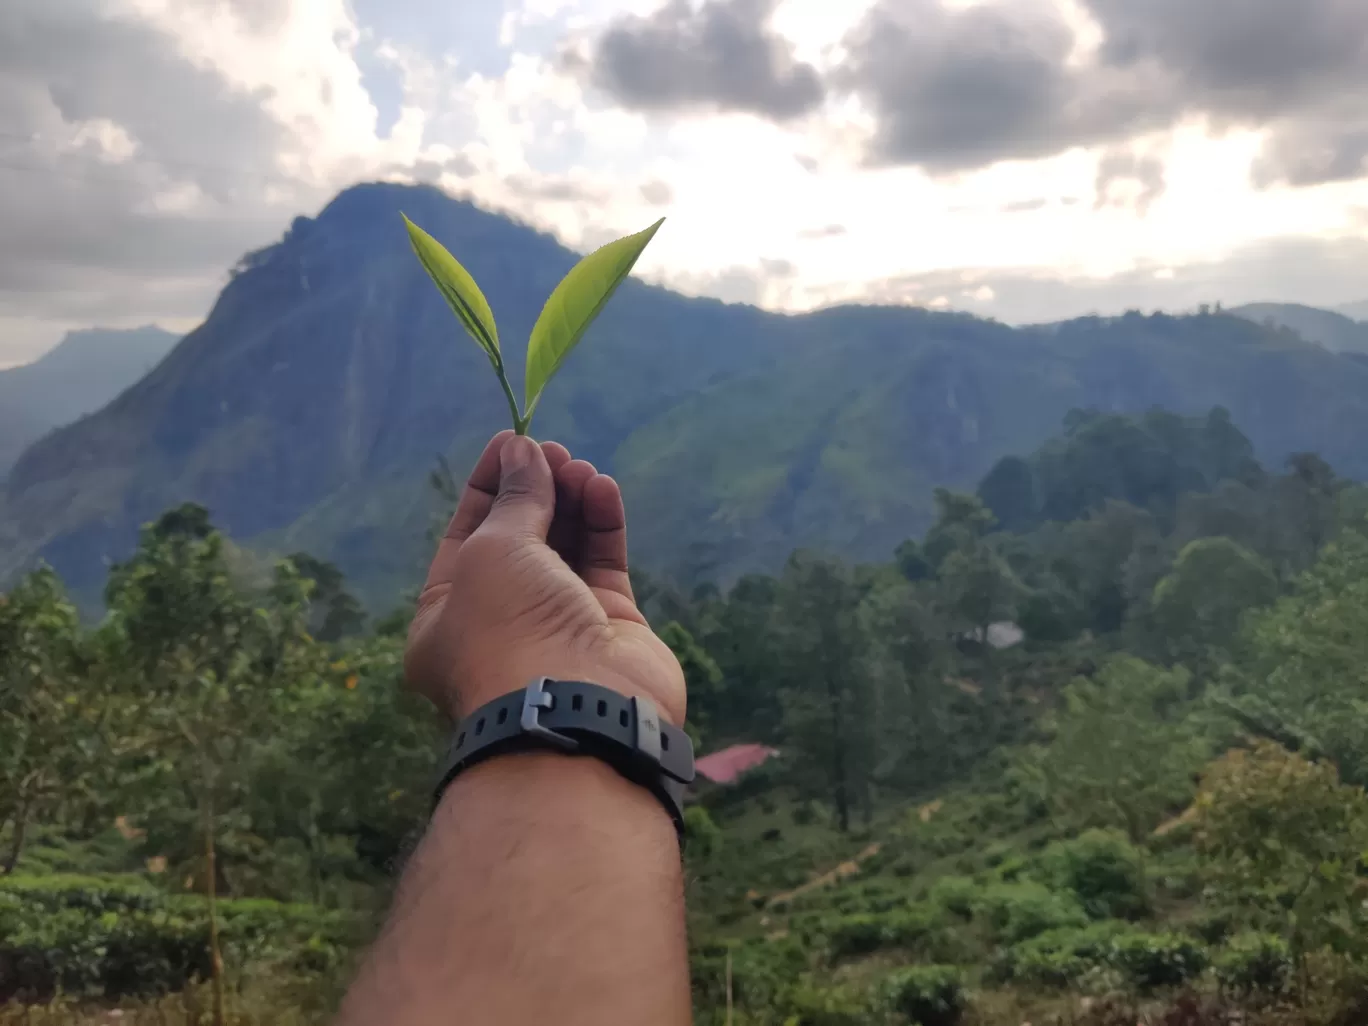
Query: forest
x=1091, y=750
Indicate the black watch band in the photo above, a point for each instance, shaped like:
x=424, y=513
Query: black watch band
x=579, y=718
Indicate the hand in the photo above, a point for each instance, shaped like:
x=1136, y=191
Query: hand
x=530, y=581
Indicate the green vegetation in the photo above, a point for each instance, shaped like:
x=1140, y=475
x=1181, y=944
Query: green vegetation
x=1147, y=805
x=571, y=308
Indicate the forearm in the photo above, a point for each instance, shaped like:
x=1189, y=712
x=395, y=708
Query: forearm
x=547, y=890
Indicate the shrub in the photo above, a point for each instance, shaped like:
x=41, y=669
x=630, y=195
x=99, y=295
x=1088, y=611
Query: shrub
x=929, y=995
x=955, y=894
x=96, y=894
x=1104, y=870
x=1153, y=960
x=1016, y=912
x=862, y=934
x=702, y=835
x=1059, y=958
x=763, y=971
x=810, y=1005
x=94, y=936
x=1255, y=964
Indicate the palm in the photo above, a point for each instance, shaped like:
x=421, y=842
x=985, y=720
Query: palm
x=499, y=595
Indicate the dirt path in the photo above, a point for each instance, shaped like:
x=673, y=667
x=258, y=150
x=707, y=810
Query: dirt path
x=846, y=869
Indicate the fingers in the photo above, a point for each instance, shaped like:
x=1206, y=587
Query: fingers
x=477, y=499
x=603, y=553
x=526, y=501
x=556, y=455
x=567, y=529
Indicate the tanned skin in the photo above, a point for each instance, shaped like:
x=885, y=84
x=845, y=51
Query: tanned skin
x=548, y=888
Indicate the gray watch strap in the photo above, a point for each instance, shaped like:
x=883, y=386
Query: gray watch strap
x=580, y=718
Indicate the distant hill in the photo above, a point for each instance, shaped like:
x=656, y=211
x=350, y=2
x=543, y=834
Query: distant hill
x=309, y=408
x=1358, y=311
x=83, y=372
x=1336, y=331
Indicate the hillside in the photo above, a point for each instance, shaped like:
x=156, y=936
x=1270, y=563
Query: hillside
x=309, y=408
x=81, y=374
x=1148, y=811
x=1336, y=331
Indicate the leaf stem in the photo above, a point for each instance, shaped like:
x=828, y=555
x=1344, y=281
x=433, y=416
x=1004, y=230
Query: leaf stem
x=520, y=423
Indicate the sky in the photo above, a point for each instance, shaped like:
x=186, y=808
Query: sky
x=1027, y=160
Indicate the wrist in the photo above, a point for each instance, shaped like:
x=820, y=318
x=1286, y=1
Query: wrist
x=480, y=687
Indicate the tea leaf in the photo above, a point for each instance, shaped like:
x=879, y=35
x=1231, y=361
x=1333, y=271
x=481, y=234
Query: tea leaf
x=573, y=306
x=458, y=288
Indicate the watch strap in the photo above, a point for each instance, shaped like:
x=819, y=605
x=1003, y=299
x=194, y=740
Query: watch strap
x=580, y=718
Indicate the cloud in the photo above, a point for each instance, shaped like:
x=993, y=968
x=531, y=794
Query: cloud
x=1298, y=69
x=1024, y=206
x=118, y=189
x=1140, y=179
x=958, y=88
x=657, y=193
x=829, y=231
x=722, y=57
x=954, y=87
x=1319, y=272
x=778, y=268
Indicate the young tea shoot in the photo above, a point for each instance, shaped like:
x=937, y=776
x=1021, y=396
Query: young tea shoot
x=569, y=311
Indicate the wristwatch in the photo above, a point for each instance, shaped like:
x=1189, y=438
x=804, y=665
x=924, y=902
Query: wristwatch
x=579, y=718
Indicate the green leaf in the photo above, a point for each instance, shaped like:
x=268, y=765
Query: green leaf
x=573, y=306
x=458, y=288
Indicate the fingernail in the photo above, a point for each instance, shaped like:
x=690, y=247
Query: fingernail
x=516, y=452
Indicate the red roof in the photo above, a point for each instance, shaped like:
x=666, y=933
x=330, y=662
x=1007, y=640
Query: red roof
x=725, y=766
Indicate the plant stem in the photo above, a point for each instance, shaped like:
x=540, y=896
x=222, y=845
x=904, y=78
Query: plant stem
x=519, y=424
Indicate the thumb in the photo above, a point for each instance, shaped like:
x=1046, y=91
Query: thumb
x=526, y=501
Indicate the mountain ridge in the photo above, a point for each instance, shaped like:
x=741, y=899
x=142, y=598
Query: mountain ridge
x=309, y=409
x=1336, y=331
x=79, y=375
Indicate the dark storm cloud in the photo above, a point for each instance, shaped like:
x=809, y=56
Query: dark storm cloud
x=724, y=56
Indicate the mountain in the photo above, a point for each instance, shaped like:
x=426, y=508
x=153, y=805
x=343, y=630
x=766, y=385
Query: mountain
x=1335, y=331
x=309, y=408
x=82, y=373
x=1358, y=311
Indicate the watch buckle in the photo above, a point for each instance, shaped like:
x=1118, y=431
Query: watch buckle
x=535, y=699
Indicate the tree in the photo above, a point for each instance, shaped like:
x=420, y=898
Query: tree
x=207, y=666
x=741, y=635
x=702, y=676
x=904, y=661
x=1123, y=750
x=1285, y=839
x=49, y=716
x=1197, y=608
x=827, y=694
x=1009, y=491
x=978, y=589
x=1307, y=659
x=961, y=521
x=334, y=612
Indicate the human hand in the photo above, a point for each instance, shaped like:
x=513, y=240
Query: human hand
x=530, y=581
